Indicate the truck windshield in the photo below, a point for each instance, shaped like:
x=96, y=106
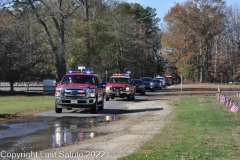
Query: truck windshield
x=119, y=80
x=146, y=79
x=79, y=79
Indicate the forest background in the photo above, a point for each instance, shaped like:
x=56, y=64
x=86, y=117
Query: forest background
x=40, y=39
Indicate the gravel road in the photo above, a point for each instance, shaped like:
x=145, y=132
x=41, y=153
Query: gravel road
x=137, y=125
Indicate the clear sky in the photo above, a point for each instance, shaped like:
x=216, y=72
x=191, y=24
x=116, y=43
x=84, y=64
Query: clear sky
x=162, y=6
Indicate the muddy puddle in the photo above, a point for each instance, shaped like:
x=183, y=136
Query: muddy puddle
x=37, y=133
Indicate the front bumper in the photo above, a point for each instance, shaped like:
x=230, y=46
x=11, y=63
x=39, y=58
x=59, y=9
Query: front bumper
x=66, y=102
x=139, y=89
x=111, y=93
x=149, y=86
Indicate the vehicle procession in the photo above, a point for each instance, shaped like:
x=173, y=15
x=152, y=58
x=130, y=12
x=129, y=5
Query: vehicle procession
x=84, y=89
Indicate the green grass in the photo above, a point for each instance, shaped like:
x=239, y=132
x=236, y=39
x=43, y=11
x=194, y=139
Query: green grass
x=23, y=105
x=198, y=128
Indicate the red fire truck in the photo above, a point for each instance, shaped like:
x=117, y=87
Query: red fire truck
x=120, y=85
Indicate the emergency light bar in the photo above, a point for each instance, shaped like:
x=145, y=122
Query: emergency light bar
x=120, y=74
x=88, y=72
x=81, y=69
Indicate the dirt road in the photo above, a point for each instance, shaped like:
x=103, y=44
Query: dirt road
x=139, y=122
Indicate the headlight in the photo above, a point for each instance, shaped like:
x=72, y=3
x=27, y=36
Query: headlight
x=107, y=88
x=151, y=83
x=58, y=92
x=91, y=92
x=127, y=89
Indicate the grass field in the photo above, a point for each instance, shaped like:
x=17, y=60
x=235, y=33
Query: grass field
x=11, y=106
x=198, y=128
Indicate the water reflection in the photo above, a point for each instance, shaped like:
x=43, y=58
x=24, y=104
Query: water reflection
x=65, y=129
x=38, y=133
x=22, y=128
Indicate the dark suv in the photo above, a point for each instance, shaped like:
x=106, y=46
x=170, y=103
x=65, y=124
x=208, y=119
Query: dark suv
x=80, y=89
x=140, y=87
x=148, y=82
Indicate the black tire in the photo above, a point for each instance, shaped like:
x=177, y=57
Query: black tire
x=107, y=98
x=143, y=93
x=101, y=107
x=58, y=110
x=152, y=90
x=94, y=107
x=133, y=96
x=129, y=97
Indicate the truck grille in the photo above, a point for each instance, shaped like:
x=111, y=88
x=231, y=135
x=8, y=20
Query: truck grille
x=75, y=93
x=118, y=88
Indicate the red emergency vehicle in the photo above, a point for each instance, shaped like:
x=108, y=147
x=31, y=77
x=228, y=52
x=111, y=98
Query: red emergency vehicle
x=80, y=89
x=120, y=85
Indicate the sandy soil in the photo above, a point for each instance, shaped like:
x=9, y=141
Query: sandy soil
x=139, y=122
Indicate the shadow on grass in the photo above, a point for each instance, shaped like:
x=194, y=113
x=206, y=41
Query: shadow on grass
x=22, y=93
x=7, y=116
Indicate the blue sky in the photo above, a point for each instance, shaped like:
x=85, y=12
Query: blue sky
x=162, y=6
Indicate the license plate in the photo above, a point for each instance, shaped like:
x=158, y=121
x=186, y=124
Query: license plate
x=74, y=101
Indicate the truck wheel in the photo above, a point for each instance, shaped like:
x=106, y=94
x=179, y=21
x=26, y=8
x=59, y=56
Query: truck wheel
x=94, y=107
x=133, y=96
x=101, y=104
x=143, y=93
x=58, y=110
x=107, y=98
x=129, y=97
x=152, y=90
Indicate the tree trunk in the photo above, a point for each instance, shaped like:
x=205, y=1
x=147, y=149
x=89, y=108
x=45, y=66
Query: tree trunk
x=11, y=86
x=87, y=35
x=201, y=65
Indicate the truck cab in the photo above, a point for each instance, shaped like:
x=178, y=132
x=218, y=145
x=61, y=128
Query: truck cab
x=80, y=89
x=120, y=85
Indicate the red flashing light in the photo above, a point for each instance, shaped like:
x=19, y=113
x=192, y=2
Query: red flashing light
x=120, y=74
x=82, y=91
x=91, y=87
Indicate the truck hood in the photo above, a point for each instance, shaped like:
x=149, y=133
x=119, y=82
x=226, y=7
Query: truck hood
x=118, y=85
x=147, y=82
x=75, y=85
